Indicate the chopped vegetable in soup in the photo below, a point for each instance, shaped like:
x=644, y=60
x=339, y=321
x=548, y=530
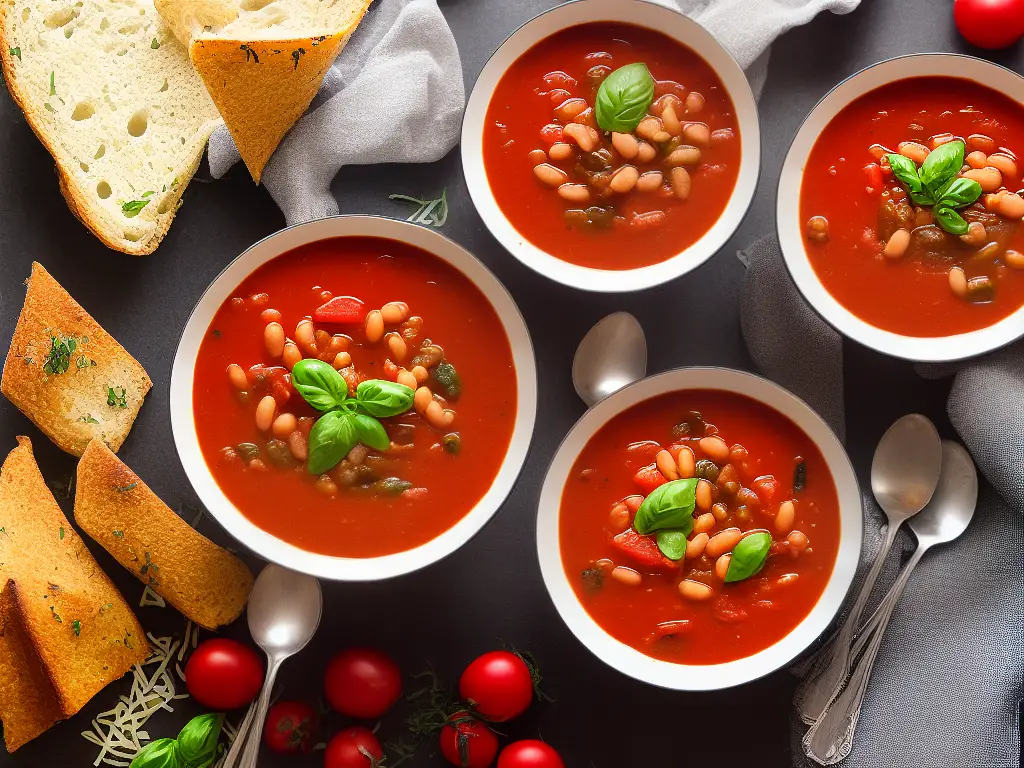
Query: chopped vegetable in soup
x=611, y=146
x=699, y=527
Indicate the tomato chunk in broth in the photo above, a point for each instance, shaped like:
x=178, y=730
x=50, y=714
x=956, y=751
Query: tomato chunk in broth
x=330, y=317
x=761, y=535
x=897, y=260
x=610, y=200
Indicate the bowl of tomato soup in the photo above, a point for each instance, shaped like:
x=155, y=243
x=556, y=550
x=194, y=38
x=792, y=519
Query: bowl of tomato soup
x=699, y=529
x=611, y=145
x=900, y=207
x=354, y=397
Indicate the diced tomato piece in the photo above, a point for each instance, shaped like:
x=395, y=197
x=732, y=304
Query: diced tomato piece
x=649, y=478
x=725, y=610
x=587, y=117
x=873, y=176
x=391, y=370
x=640, y=453
x=669, y=628
x=765, y=487
x=262, y=376
x=558, y=95
x=281, y=389
x=642, y=550
x=341, y=309
x=869, y=239
x=559, y=79
x=551, y=134
x=633, y=503
x=412, y=494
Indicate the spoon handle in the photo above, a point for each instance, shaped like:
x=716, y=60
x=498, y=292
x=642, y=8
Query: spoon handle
x=252, y=746
x=231, y=760
x=832, y=662
x=889, y=601
x=830, y=739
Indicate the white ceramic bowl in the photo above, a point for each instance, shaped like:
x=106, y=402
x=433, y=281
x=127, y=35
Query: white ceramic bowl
x=644, y=14
x=791, y=229
x=288, y=555
x=698, y=677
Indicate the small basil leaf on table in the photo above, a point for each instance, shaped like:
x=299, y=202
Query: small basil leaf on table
x=623, y=98
x=668, y=506
x=381, y=398
x=942, y=165
x=672, y=544
x=903, y=168
x=319, y=384
x=197, y=742
x=330, y=440
x=749, y=556
x=371, y=432
x=162, y=753
x=959, y=193
x=949, y=220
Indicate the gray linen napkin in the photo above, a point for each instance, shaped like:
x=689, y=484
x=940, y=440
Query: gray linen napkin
x=950, y=671
x=394, y=95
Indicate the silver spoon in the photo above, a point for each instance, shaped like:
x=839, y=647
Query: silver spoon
x=946, y=517
x=611, y=355
x=284, y=613
x=904, y=472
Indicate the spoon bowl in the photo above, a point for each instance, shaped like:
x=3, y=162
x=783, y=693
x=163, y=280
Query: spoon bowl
x=611, y=355
x=906, y=466
x=952, y=506
x=284, y=610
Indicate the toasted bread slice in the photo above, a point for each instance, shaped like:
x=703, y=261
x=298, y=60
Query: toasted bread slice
x=67, y=374
x=67, y=610
x=115, y=507
x=262, y=62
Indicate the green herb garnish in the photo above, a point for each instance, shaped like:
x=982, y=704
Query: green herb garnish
x=132, y=207
x=748, y=556
x=117, y=397
x=593, y=579
x=937, y=183
x=624, y=97
x=118, y=534
x=88, y=419
x=60, y=534
x=58, y=359
x=125, y=489
x=433, y=213
x=76, y=627
x=668, y=512
x=155, y=44
x=448, y=378
x=799, y=477
x=53, y=87
x=56, y=616
x=15, y=52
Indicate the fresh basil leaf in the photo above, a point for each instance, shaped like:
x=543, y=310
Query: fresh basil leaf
x=749, y=556
x=672, y=544
x=381, y=398
x=197, y=742
x=162, y=753
x=942, y=165
x=370, y=432
x=922, y=198
x=949, y=220
x=904, y=169
x=623, y=98
x=332, y=437
x=959, y=193
x=319, y=384
x=669, y=506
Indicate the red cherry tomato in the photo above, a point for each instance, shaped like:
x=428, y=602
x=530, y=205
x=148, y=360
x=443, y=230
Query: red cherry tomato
x=990, y=24
x=468, y=743
x=362, y=683
x=529, y=754
x=500, y=684
x=353, y=748
x=290, y=727
x=224, y=674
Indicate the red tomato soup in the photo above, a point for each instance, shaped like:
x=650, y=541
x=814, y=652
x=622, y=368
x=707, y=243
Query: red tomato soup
x=601, y=199
x=699, y=527
x=901, y=259
x=412, y=379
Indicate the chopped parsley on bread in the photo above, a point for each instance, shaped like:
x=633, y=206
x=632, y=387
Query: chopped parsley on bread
x=68, y=375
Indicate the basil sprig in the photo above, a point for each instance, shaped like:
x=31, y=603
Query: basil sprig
x=937, y=183
x=668, y=512
x=346, y=420
x=748, y=556
x=195, y=747
x=623, y=98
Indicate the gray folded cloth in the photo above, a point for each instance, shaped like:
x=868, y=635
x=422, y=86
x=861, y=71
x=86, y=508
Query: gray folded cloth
x=950, y=672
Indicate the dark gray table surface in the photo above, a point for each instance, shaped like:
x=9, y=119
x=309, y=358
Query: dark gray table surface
x=491, y=590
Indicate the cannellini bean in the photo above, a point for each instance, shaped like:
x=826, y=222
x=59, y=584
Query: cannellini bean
x=975, y=234
x=560, y=151
x=697, y=133
x=624, y=179
x=305, y=336
x=394, y=312
x=981, y=142
x=703, y=496
x=721, y=136
x=1005, y=164
x=911, y=149
x=704, y=523
x=720, y=512
x=284, y=425
x=422, y=399
x=991, y=200
x=939, y=139
x=321, y=339
x=686, y=463
x=670, y=120
x=237, y=377
x=1011, y=206
x=694, y=103
x=420, y=373
x=646, y=152
x=396, y=346
x=650, y=181
x=989, y=178
x=723, y=542
x=666, y=464
x=342, y=360
x=326, y=485
x=1015, y=259
x=627, y=576
x=695, y=546
x=785, y=516
x=695, y=590
x=683, y=155
x=722, y=566
x=537, y=156
x=715, y=448
x=550, y=175
x=649, y=127
x=958, y=281
x=585, y=137
x=291, y=354
x=569, y=108
x=898, y=244
x=575, y=193
x=265, y=413
x=406, y=378
x=626, y=145
x=298, y=444
x=374, y=326
x=798, y=540
x=618, y=518
x=680, y=182
x=977, y=159
x=438, y=416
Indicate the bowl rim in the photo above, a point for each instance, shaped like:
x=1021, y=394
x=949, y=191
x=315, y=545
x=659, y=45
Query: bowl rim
x=701, y=42
x=289, y=555
x=700, y=677
x=936, y=349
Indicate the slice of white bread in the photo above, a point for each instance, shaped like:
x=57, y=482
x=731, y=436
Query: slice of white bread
x=68, y=375
x=112, y=95
x=262, y=62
